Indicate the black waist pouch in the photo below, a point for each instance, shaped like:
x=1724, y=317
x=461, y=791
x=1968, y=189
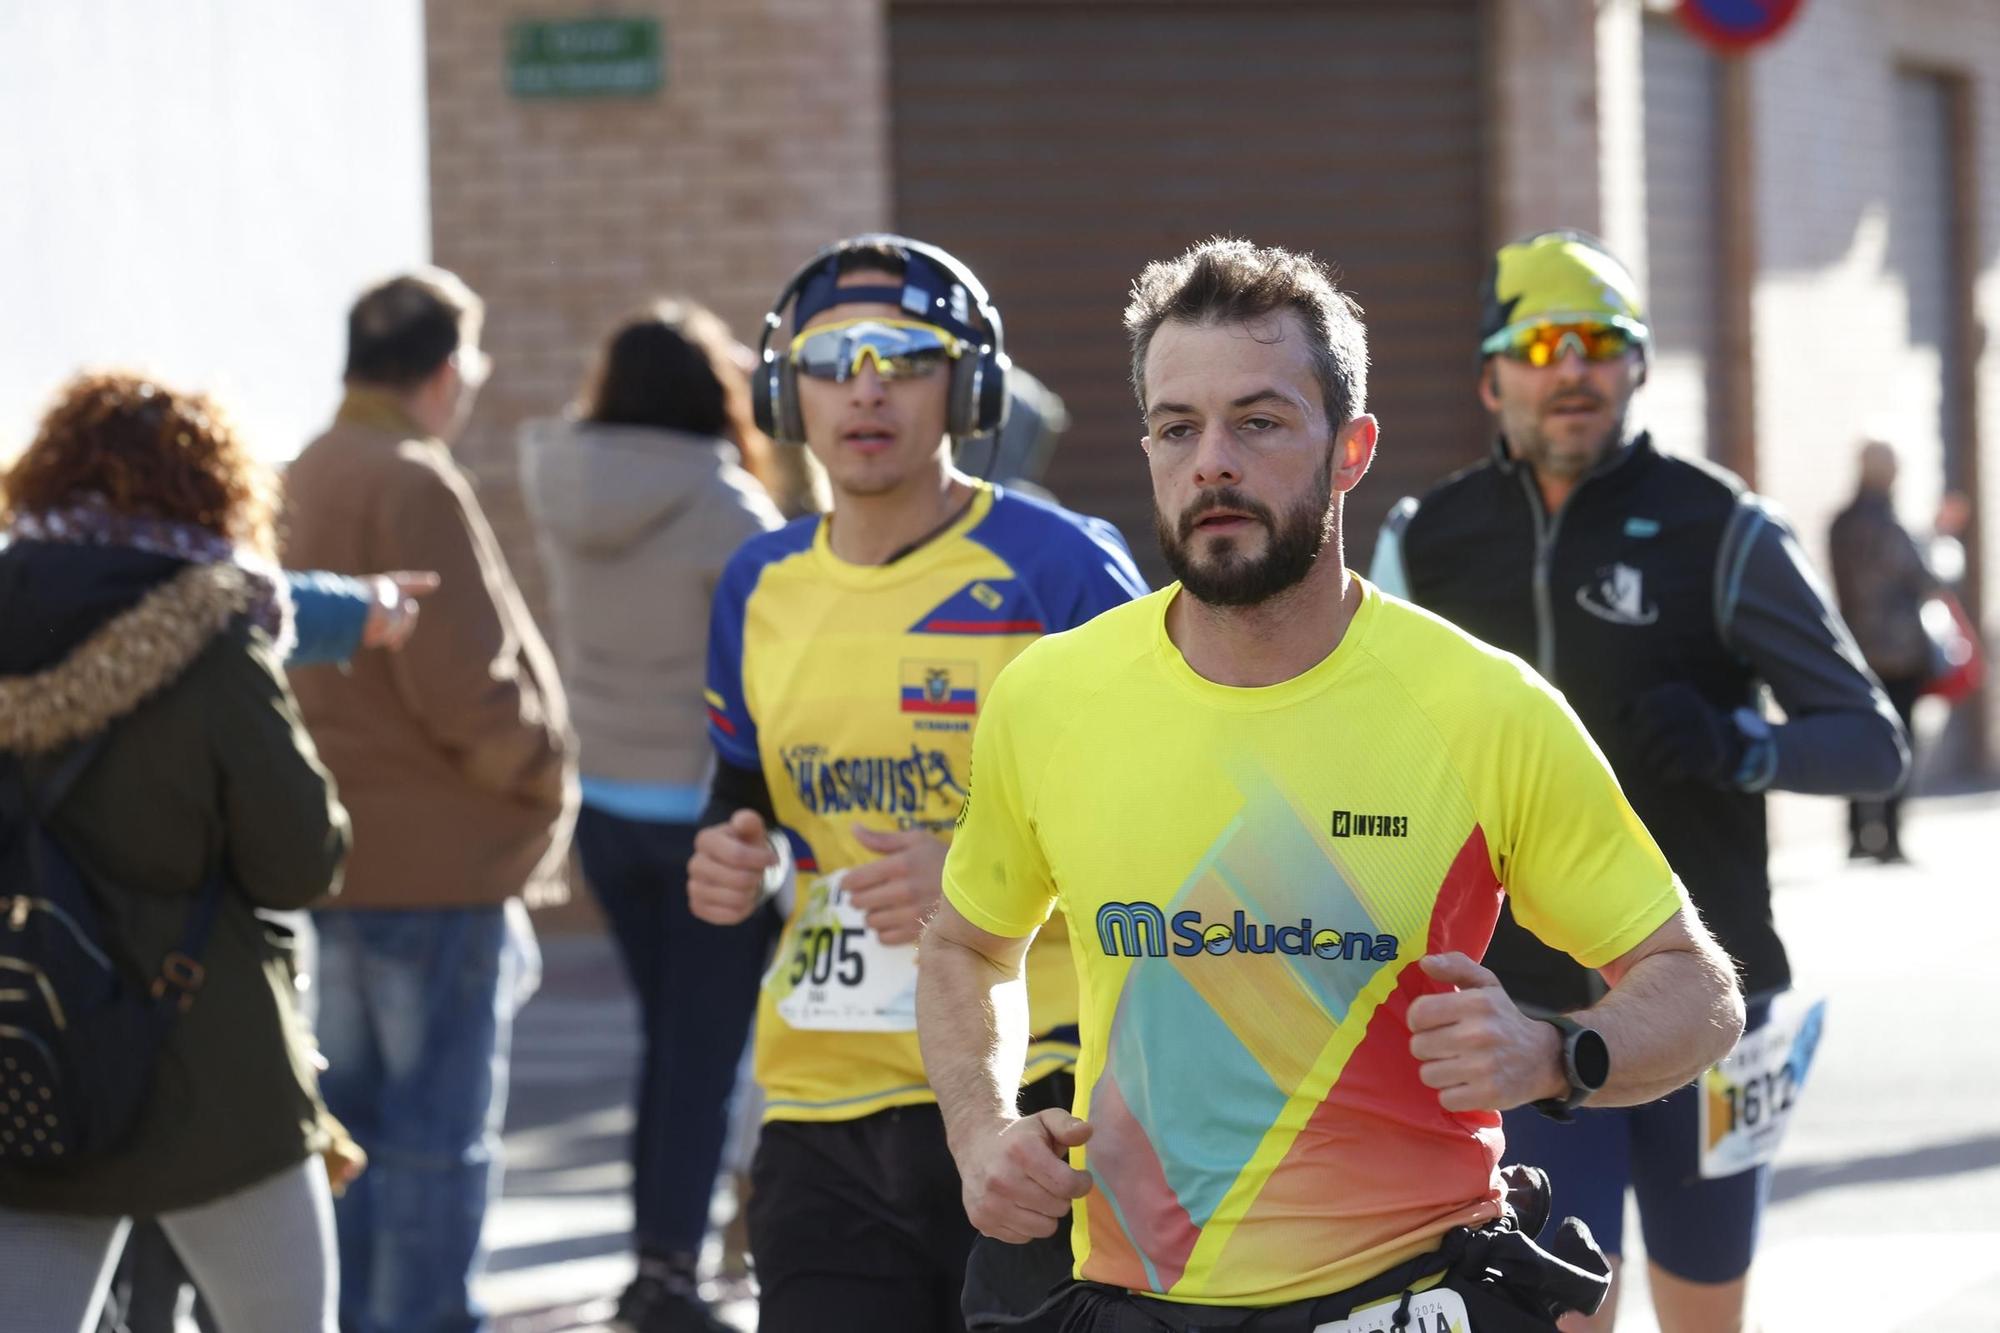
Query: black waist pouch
x=1508, y=1282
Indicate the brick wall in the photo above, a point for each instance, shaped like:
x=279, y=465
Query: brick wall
x=767, y=139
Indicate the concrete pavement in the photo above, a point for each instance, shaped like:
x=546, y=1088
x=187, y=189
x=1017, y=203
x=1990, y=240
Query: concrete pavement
x=559, y=1236
x=1883, y=1213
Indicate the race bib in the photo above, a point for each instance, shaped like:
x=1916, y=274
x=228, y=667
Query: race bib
x=1433, y=1311
x=836, y=975
x=1747, y=1100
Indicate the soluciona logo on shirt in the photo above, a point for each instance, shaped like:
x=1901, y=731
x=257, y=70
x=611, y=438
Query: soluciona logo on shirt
x=1141, y=929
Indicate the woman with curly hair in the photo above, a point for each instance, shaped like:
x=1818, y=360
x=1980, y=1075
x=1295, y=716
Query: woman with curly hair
x=140, y=679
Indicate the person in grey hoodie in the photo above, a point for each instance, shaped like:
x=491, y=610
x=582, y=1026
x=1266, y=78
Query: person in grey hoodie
x=639, y=497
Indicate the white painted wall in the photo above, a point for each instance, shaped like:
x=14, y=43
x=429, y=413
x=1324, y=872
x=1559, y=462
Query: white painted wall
x=1842, y=346
x=198, y=189
x=1837, y=355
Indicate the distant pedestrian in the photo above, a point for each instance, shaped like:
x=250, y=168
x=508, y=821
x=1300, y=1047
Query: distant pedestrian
x=639, y=499
x=455, y=758
x=1882, y=582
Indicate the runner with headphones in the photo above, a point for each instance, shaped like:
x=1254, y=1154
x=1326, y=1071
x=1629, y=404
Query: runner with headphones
x=849, y=656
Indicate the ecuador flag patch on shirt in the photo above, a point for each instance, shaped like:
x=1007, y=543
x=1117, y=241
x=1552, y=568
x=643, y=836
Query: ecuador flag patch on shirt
x=940, y=687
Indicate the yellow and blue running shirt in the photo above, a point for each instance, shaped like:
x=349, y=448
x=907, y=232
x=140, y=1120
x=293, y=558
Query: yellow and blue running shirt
x=854, y=689
x=1250, y=877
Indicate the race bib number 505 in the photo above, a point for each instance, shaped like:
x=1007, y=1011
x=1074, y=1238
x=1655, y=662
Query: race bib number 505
x=835, y=975
x=1747, y=1100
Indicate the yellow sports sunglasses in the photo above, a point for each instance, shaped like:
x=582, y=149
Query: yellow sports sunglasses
x=901, y=349
x=1544, y=344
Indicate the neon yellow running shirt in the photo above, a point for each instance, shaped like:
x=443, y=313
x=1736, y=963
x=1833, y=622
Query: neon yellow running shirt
x=1250, y=877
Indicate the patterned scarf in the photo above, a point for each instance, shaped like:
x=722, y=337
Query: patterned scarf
x=92, y=522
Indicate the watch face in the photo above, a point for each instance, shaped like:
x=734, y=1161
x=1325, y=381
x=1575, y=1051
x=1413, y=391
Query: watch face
x=1590, y=1058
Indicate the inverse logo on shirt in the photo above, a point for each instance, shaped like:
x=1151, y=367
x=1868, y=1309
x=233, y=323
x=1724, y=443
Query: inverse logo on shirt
x=1354, y=824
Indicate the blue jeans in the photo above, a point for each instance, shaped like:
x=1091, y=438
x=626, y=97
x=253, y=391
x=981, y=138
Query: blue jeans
x=415, y=1012
x=697, y=992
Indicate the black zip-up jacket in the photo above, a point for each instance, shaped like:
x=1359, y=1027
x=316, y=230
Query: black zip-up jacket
x=1656, y=570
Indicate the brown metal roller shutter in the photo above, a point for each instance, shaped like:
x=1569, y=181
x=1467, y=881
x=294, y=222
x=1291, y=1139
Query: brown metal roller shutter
x=1058, y=148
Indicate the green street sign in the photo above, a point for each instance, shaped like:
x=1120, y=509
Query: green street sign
x=584, y=58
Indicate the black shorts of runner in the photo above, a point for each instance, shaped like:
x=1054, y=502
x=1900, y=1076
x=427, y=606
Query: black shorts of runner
x=1094, y=1309
x=858, y=1226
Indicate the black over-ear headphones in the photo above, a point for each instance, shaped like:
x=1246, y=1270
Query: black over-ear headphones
x=936, y=288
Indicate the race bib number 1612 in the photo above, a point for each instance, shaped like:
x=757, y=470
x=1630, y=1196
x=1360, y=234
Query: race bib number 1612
x=1747, y=1100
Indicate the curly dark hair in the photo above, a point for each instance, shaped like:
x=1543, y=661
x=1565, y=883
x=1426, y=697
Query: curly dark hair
x=144, y=448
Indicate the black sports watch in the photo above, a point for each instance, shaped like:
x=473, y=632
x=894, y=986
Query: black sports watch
x=1586, y=1064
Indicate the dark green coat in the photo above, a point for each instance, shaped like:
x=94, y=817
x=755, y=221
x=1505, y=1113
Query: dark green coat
x=206, y=764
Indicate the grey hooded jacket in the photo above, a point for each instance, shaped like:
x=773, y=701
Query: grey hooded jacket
x=634, y=526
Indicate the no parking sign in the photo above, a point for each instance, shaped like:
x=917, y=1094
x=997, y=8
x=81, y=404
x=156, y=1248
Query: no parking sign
x=1737, y=25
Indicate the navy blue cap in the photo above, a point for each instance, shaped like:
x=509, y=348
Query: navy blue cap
x=927, y=293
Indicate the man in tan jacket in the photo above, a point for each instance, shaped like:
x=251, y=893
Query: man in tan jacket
x=457, y=762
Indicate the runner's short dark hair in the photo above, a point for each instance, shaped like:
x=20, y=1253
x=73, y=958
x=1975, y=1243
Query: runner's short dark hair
x=401, y=330
x=871, y=257
x=1224, y=280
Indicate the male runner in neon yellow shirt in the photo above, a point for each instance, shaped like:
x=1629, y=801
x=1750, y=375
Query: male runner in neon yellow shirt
x=1280, y=811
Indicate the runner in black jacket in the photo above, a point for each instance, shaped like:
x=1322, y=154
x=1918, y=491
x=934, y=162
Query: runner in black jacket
x=1659, y=595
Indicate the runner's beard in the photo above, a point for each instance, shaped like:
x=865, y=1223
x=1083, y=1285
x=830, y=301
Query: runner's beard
x=1226, y=577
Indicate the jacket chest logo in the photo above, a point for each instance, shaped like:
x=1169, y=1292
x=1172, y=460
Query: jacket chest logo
x=1617, y=593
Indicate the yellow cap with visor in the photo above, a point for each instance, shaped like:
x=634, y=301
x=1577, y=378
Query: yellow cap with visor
x=1558, y=278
